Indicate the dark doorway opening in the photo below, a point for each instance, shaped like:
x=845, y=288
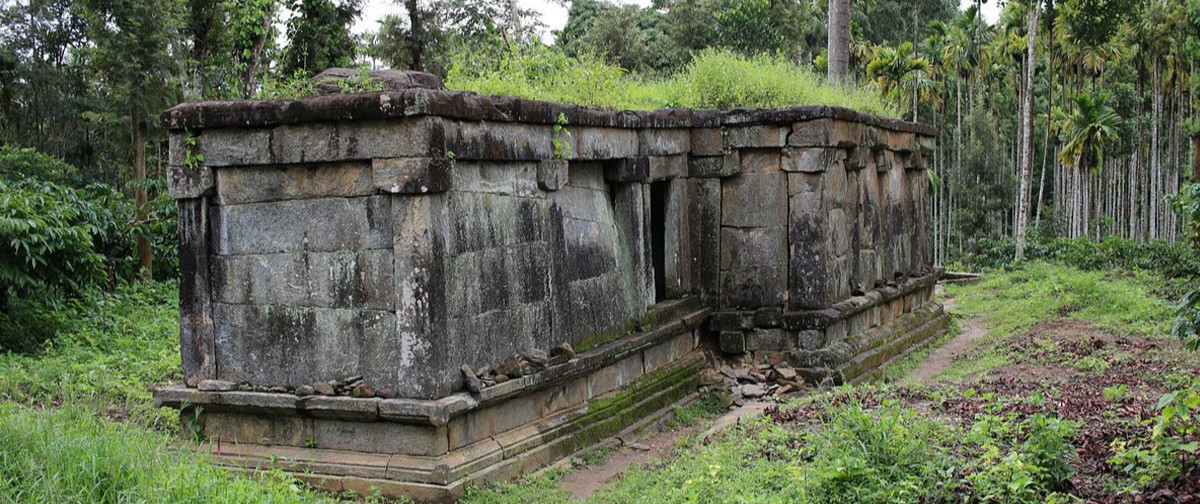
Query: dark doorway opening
x=658, y=234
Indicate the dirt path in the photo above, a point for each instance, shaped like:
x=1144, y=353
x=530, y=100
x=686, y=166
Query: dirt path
x=650, y=446
x=941, y=358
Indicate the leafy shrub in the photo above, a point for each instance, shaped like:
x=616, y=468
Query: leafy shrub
x=1025, y=462
x=1168, y=450
x=713, y=79
x=1172, y=260
x=885, y=455
x=45, y=241
x=21, y=163
x=1187, y=314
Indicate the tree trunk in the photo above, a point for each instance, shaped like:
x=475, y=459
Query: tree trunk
x=415, y=34
x=145, y=256
x=1027, y=132
x=838, y=50
x=1196, y=158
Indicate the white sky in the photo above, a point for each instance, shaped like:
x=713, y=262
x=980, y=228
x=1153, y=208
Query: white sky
x=553, y=14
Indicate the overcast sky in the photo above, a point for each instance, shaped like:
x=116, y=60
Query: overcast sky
x=553, y=14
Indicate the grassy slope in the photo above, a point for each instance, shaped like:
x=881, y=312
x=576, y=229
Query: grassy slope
x=1012, y=302
x=58, y=438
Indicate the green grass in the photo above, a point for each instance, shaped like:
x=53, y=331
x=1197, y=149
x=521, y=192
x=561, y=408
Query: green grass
x=1012, y=302
x=111, y=350
x=70, y=455
x=714, y=79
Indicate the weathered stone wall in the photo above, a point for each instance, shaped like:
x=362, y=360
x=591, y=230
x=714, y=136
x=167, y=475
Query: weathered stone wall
x=400, y=235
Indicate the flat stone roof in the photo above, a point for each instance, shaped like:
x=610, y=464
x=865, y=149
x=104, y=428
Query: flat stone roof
x=467, y=106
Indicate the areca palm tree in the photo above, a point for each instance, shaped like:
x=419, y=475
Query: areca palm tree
x=898, y=71
x=1088, y=129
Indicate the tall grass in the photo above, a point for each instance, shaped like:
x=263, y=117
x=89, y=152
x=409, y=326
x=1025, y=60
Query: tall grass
x=109, y=351
x=714, y=79
x=68, y=455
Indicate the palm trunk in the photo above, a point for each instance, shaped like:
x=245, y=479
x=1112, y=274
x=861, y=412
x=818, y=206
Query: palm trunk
x=838, y=45
x=1027, y=133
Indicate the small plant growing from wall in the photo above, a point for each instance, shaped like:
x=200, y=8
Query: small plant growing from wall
x=562, y=138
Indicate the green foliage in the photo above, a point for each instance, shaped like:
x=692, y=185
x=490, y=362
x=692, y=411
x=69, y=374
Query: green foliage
x=1021, y=462
x=19, y=164
x=886, y=454
x=70, y=455
x=709, y=406
x=1187, y=314
x=1167, y=259
x=109, y=350
x=1013, y=301
x=1168, y=449
x=319, y=36
x=45, y=241
x=713, y=79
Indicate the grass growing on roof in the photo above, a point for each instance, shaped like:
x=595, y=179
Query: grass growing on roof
x=714, y=79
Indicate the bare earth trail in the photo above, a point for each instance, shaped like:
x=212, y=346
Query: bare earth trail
x=942, y=357
x=654, y=444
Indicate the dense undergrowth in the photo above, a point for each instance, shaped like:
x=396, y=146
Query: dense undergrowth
x=714, y=79
x=78, y=423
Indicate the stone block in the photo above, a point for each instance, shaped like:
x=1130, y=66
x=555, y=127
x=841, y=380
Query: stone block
x=720, y=166
x=733, y=342
x=235, y=146
x=325, y=224
x=291, y=346
x=704, y=227
x=615, y=376
x=770, y=340
x=811, y=339
x=827, y=133
x=552, y=174
x=417, y=175
x=503, y=178
x=664, y=142
x=380, y=437
x=603, y=143
x=731, y=321
x=184, y=182
x=758, y=135
x=501, y=141
x=760, y=160
x=708, y=142
x=408, y=138
x=351, y=279
x=770, y=316
x=664, y=354
x=812, y=159
x=627, y=169
x=259, y=184
x=261, y=279
x=237, y=428
x=753, y=266
x=304, y=143
x=667, y=167
x=754, y=200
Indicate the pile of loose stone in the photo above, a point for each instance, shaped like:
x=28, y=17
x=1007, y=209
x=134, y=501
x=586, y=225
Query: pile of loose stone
x=526, y=363
x=757, y=381
x=354, y=386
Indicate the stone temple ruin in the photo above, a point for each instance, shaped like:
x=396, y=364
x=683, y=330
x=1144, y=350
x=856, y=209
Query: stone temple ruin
x=360, y=271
